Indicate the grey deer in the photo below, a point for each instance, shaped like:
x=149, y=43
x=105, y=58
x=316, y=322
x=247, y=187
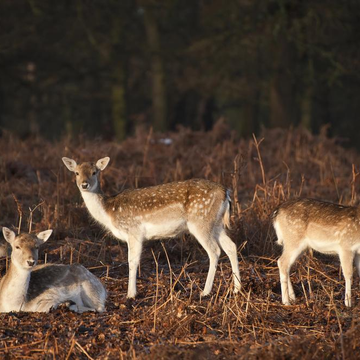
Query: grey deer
x=199, y=206
x=30, y=287
x=328, y=228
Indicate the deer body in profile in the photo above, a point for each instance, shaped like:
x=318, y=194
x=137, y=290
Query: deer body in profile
x=325, y=227
x=200, y=207
x=30, y=287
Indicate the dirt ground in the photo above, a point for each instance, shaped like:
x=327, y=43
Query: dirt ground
x=169, y=319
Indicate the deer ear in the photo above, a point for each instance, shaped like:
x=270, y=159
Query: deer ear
x=102, y=163
x=9, y=235
x=69, y=163
x=43, y=236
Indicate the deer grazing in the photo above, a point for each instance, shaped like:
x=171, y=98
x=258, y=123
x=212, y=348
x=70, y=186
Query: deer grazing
x=199, y=206
x=30, y=287
x=325, y=227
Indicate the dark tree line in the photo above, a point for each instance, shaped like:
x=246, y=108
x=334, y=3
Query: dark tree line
x=104, y=67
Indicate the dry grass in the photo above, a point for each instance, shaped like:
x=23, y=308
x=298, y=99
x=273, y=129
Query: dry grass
x=169, y=319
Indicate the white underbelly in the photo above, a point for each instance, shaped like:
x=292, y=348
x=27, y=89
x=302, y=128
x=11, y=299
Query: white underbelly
x=325, y=247
x=167, y=229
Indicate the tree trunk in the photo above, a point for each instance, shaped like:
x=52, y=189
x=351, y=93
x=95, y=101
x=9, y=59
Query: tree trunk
x=306, y=108
x=118, y=104
x=158, y=93
x=282, y=94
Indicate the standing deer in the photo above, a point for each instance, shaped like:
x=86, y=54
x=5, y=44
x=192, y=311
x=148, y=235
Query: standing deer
x=325, y=227
x=199, y=206
x=27, y=287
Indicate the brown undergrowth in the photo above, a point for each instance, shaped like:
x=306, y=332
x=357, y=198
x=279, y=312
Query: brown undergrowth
x=168, y=319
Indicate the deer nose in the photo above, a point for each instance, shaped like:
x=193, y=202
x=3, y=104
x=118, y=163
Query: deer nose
x=31, y=262
x=85, y=185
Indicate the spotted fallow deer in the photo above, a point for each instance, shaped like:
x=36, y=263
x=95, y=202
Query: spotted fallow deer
x=328, y=228
x=199, y=206
x=30, y=287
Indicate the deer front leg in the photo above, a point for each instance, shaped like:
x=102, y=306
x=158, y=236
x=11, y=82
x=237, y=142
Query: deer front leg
x=284, y=279
x=346, y=261
x=134, y=254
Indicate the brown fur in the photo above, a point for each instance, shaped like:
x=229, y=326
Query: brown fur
x=329, y=228
x=199, y=206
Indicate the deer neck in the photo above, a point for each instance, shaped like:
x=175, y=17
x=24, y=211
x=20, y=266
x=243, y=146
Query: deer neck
x=94, y=202
x=14, y=288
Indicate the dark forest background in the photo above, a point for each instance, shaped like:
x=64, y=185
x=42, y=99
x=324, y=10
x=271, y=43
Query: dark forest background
x=105, y=68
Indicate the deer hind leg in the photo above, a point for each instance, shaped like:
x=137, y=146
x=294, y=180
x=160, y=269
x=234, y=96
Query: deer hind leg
x=78, y=300
x=288, y=257
x=213, y=250
x=291, y=291
x=230, y=249
x=347, y=261
x=70, y=297
x=93, y=294
x=134, y=255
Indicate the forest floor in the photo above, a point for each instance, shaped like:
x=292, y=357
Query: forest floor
x=169, y=319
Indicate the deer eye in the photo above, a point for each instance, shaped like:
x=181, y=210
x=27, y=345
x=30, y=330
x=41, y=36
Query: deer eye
x=76, y=173
x=17, y=247
x=94, y=173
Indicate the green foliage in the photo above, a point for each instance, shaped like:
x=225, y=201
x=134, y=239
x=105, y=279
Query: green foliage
x=266, y=63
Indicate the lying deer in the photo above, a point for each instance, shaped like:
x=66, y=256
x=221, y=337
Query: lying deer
x=325, y=227
x=30, y=287
x=199, y=206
